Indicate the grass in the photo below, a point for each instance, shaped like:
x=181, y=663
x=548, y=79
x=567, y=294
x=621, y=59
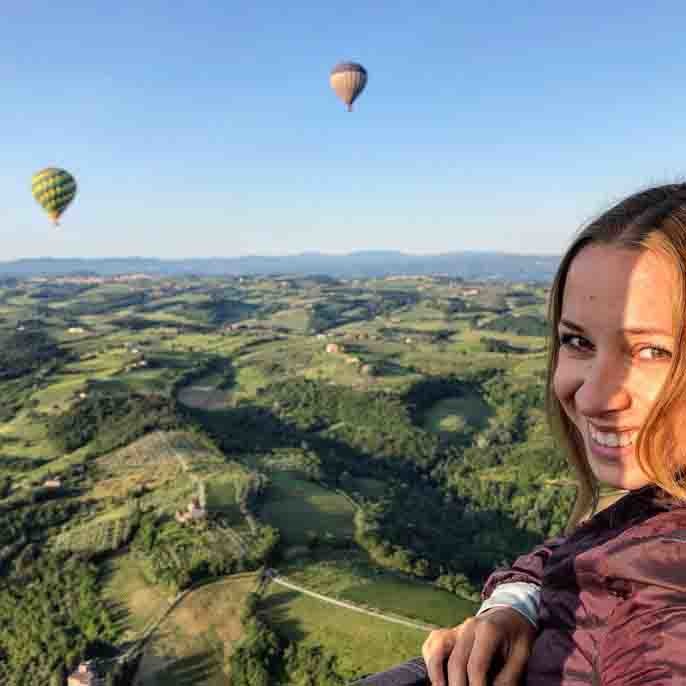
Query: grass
x=153, y=462
x=192, y=644
x=204, y=398
x=362, y=644
x=294, y=319
x=249, y=380
x=349, y=576
x=334, y=367
x=134, y=600
x=412, y=599
x=26, y=436
x=223, y=492
x=454, y=414
x=369, y=488
x=60, y=393
x=301, y=509
x=470, y=340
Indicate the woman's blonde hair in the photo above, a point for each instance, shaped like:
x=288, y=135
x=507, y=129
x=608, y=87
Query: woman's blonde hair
x=652, y=220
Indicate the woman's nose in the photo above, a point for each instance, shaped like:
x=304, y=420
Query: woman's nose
x=604, y=388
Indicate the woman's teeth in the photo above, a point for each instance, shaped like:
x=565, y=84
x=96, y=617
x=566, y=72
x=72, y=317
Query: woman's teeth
x=613, y=440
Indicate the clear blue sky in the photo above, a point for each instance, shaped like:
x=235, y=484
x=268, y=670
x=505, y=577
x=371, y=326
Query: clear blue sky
x=208, y=128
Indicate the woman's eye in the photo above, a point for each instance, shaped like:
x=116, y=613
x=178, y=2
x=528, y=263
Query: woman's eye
x=573, y=341
x=654, y=353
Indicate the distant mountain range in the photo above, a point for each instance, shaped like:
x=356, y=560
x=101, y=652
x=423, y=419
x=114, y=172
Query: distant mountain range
x=468, y=265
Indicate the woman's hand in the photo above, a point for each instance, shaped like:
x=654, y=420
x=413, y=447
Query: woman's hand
x=494, y=646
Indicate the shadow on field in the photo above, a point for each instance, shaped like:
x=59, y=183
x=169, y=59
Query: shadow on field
x=195, y=670
x=386, y=367
x=121, y=616
x=120, y=613
x=276, y=607
x=413, y=513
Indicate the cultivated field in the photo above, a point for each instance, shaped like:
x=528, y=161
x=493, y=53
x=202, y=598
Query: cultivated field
x=302, y=510
x=350, y=576
x=192, y=645
x=362, y=644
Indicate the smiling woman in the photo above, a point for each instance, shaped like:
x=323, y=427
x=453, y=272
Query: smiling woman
x=615, y=343
x=605, y=604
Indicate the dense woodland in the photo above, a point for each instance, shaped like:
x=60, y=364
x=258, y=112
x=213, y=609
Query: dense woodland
x=107, y=421
x=51, y=614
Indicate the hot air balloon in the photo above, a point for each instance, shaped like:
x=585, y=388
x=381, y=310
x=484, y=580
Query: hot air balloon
x=54, y=189
x=348, y=80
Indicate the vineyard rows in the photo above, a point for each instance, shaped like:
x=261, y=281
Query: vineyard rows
x=99, y=537
x=161, y=448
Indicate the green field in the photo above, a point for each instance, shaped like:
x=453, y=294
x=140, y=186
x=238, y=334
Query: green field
x=412, y=599
x=369, y=488
x=361, y=643
x=191, y=646
x=349, y=576
x=301, y=510
x=224, y=490
x=135, y=601
x=455, y=414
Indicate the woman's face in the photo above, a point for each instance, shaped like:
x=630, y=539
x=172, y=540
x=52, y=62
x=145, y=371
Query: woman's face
x=615, y=350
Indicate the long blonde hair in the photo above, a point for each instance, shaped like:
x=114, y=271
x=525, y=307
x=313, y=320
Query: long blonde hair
x=652, y=220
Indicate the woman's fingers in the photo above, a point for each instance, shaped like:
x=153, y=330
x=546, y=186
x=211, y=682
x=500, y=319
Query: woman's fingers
x=488, y=642
x=436, y=651
x=457, y=662
x=510, y=674
x=468, y=653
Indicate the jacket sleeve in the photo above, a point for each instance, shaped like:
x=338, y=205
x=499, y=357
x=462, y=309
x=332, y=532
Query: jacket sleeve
x=525, y=569
x=645, y=641
x=518, y=596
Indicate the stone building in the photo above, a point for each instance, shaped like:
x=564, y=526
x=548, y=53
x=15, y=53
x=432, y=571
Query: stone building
x=85, y=675
x=192, y=513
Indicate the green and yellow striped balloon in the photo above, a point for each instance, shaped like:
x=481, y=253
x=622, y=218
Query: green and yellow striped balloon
x=54, y=189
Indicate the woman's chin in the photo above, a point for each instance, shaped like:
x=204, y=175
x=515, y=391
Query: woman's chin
x=620, y=476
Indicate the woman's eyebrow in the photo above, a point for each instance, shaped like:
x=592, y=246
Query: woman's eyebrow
x=572, y=325
x=634, y=330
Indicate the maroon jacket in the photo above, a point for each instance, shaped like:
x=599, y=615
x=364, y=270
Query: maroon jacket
x=613, y=597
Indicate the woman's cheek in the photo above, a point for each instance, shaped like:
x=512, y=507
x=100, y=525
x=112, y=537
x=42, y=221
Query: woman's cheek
x=563, y=384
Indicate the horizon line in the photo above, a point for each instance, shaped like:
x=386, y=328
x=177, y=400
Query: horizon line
x=286, y=255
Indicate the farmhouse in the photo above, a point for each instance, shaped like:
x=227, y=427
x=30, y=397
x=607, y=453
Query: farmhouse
x=333, y=348
x=52, y=483
x=84, y=675
x=192, y=513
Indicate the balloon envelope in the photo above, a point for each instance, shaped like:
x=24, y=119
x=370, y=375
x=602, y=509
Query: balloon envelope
x=348, y=80
x=54, y=189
